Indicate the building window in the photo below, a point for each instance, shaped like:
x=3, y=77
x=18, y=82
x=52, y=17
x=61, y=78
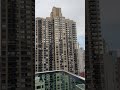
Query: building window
x=38, y=87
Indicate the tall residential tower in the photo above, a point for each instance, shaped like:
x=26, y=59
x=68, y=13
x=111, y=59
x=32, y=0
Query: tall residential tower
x=17, y=28
x=56, y=39
x=93, y=47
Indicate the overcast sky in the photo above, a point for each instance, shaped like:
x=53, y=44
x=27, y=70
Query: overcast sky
x=110, y=23
x=72, y=9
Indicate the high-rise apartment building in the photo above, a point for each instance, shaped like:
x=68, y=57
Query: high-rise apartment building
x=56, y=39
x=81, y=60
x=17, y=28
x=93, y=47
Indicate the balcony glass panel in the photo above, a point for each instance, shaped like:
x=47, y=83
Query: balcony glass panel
x=58, y=80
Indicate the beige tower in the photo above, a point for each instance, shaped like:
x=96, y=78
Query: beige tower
x=56, y=12
x=56, y=43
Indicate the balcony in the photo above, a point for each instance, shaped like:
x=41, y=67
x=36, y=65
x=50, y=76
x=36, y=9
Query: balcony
x=58, y=80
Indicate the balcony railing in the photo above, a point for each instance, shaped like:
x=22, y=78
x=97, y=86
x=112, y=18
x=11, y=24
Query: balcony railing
x=58, y=80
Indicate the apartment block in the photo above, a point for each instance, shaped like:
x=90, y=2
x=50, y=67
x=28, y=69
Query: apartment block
x=94, y=68
x=17, y=46
x=81, y=60
x=56, y=47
